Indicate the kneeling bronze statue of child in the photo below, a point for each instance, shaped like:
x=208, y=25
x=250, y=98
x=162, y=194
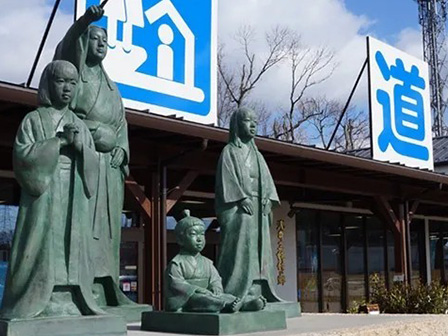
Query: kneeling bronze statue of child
x=192, y=283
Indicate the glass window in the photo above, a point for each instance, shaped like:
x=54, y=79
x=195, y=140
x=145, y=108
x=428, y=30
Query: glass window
x=355, y=258
x=130, y=219
x=8, y=218
x=444, y=229
x=307, y=255
x=331, y=261
x=375, y=247
x=436, y=250
x=417, y=251
x=391, y=255
x=129, y=269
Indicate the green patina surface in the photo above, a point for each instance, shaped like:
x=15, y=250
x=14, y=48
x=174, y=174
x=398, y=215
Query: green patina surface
x=98, y=103
x=70, y=159
x=50, y=273
x=83, y=326
x=192, y=283
x=245, y=195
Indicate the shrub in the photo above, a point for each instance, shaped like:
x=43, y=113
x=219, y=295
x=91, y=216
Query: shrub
x=403, y=298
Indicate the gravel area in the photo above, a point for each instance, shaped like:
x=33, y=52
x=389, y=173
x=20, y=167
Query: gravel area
x=396, y=325
x=348, y=325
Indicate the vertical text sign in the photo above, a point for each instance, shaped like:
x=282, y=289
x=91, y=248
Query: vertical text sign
x=400, y=112
x=162, y=54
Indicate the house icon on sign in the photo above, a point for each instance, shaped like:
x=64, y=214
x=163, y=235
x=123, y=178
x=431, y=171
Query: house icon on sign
x=163, y=82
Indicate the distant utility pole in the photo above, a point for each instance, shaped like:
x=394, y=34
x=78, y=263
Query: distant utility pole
x=432, y=18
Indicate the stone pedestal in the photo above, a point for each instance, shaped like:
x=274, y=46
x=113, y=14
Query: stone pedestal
x=105, y=325
x=213, y=324
x=131, y=313
x=291, y=309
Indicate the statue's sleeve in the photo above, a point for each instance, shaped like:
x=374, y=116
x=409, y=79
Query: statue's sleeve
x=215, y=283
x=90, y=162
x=123, y=142
x=34, y=160
x=268, y=186
x=229, y=188
x=179, y=290
x=71, y=47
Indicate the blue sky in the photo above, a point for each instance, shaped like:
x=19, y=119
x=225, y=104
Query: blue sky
x=341, y=25
x=390, y=16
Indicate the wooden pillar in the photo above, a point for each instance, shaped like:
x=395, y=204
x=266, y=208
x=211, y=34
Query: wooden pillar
x=399, y=219
x=155, y=243
x=148, y=252
x=402, y=237
x=396, y=221
x=144, y=205
x=180, y=189
x=163, y=233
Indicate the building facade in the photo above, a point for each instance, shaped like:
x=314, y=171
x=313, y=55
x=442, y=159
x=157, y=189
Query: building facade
x=343, y=218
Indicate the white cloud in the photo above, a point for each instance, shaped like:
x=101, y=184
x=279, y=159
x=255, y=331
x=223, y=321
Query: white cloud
x=410, y=40
x=22, y=27
x=320, y=23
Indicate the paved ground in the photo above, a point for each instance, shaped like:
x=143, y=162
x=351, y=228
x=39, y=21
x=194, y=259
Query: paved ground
x=348, y=325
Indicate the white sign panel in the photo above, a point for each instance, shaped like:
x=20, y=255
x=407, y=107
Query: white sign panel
x=162, y=54
x=399, y=107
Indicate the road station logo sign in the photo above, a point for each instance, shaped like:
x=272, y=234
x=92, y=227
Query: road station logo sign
x=162, y=54
x=400, y=112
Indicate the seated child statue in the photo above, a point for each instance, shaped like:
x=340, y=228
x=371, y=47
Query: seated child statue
x=192, y=283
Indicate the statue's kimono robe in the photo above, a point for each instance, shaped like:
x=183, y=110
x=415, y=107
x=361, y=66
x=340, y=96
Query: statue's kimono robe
x=184, y=275
x=51, y=245
x=245, y=251
x=98, y=103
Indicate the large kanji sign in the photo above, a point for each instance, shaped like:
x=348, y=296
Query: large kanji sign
x=399, y=107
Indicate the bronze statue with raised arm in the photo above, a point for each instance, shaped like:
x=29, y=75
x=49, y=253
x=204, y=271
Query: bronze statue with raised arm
x=98, y=103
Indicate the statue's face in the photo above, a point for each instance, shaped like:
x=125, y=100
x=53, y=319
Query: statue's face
x=194, y=239
x=63, y=85
x=247, y=125
x=97, y=45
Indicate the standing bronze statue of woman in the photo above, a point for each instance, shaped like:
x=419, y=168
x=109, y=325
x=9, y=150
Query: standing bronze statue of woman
x=98, y=103
x=245, y=194
x=50, y=274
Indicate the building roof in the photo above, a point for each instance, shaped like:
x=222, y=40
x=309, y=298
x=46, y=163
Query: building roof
x=440, y=151
x=303, y=161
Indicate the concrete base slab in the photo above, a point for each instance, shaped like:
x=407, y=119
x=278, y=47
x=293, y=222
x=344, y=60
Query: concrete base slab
x=345, y=325
x=213, y=324
x=292, y=309
x=131, y=313
x=104, y=325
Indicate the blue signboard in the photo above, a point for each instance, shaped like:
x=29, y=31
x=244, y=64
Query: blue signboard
x=162, y=54
x=400, y=107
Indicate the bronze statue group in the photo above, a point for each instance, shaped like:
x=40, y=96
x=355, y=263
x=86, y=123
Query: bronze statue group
x=71, y=158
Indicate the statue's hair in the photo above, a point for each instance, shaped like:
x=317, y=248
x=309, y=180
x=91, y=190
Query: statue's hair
x=91, y=27
x=43, y=93
x=234, y=136
x=185, y=223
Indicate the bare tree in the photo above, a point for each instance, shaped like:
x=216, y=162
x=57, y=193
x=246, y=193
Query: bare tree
x=226, y=105
x=236, y=82
x=308, y=67
x=353, y=132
